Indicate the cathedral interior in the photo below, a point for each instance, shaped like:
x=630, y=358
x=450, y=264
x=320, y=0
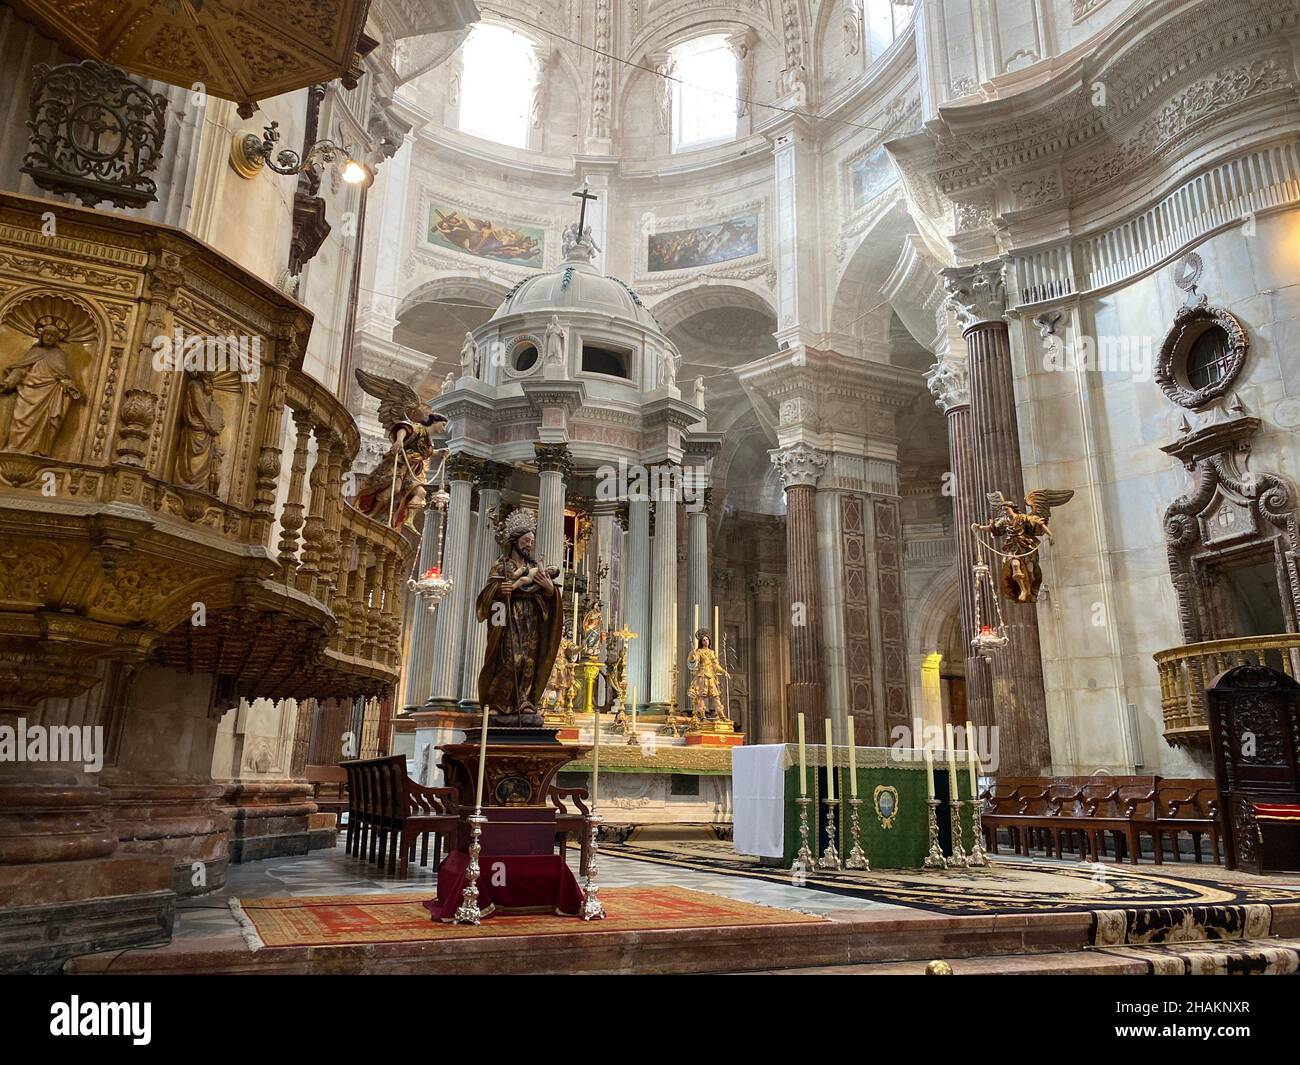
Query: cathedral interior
x=809, y=463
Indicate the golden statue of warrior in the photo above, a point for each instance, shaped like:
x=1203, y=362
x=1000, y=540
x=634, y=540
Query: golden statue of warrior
x=706, y=672
x=1018, y=533
x=394, y=489
x=561, y=691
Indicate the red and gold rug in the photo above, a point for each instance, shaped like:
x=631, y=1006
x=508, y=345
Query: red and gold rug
x=338, y=920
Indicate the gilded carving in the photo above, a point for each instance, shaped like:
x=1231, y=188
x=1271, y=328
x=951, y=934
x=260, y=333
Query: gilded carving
x=42, y=385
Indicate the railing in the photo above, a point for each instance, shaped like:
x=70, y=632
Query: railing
x=1186, y=672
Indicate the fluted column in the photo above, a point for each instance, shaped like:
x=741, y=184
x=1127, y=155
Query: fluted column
x=697, y=563
x=424, y=623
x=800, y=467
x=553, y=468
x=663, y=591
x=449, y=641
x=1019, y=702
x=766, y=713
x=636, y=593
x=491, y=480
x=950, y=383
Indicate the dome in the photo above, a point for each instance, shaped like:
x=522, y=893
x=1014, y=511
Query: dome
x=575, y=287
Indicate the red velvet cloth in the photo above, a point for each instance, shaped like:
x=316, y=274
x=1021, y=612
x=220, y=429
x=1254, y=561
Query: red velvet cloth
x=533, y=882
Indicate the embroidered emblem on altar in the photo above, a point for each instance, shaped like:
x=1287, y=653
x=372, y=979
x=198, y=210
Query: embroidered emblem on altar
x=885, y=798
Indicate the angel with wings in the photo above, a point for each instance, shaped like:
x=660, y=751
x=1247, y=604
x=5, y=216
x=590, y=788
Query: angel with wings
x=392, y=490
x=1018, y=534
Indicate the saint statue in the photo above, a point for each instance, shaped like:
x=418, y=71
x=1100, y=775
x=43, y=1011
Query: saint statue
x=1018, y=535
x=592, y=641
x=523, y=608
x=45, y=390
x=469, y=357
x=393, y=490
x=554, y=341
x=699, y=392
x=198, y=446
x=561, y=691
x=448, y=383
x=706, y=671
x=669, y=361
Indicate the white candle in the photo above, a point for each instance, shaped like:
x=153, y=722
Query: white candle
x=482, y=759
x=853, y=768
x=973, y=764
x=929, y=773
x=633, y=711
x=952, y=763
x=717, y=628
x=803, y=762
x=695, y=627
x=595, y=761
x=830, y=763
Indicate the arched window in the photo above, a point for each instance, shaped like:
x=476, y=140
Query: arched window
x=704, y=92
x=496, y=94
x=885, y=22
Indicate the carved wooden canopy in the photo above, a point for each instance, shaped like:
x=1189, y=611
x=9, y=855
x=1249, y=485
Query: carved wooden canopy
x=241, y=50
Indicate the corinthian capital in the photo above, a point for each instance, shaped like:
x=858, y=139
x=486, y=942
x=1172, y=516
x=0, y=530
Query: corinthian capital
x=977, y=294
x=798, y=464
x=949, y=382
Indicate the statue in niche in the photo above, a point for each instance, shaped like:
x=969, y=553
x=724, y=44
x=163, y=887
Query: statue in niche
x=42, y=383
x=699, y=393
x=1018, y=534
x=706, y=671
x=555, y=340
x=198, y=444
x=470, y=359
x=522, y=606
x=394, y=489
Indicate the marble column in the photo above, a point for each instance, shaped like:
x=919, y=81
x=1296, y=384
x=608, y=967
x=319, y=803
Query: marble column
x=663, y=587
x=419, y=653
x=553, y=468
x=800, y=467
x=449, y=639
x=490, y=482
x=767, y=704
x=950, y=383
x=697, y=565
x=636, y=594
x=978, y=294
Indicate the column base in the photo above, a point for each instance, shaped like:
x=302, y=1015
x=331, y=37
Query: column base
x=269, y=819
x=37, y=940
x=182, y=822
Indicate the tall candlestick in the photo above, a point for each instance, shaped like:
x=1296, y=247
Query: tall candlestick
x=482, y=759
x=595, y=760
x=633, y=711
x=803, y=762
x=853, y=769
x=830, y=763
x=952, y=763
x=929, y=773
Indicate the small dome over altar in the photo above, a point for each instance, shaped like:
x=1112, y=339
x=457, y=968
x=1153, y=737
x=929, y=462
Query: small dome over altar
x=576, y=286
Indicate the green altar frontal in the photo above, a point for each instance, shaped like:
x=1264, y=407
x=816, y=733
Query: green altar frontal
x=894, y=815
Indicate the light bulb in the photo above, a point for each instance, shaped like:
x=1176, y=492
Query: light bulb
x=356, y=173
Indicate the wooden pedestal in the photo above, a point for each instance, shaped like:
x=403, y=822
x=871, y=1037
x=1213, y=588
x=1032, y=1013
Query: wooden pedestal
x=517, y=773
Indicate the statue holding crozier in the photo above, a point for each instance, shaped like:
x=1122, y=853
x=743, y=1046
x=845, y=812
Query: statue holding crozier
x=523, y=608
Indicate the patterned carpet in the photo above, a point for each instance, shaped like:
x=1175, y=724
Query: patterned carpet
x=336, y=920
x=1004, y=887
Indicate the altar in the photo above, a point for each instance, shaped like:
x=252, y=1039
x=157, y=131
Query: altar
x=891, y=785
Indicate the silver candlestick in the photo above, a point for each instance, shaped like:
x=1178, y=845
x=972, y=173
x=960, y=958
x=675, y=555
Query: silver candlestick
x=592, y=910
x=958, y=859
x=857, y=859
x=978, y=857
x=830, y=858
x=935, y=859
x=804, y=858
x=468, y=911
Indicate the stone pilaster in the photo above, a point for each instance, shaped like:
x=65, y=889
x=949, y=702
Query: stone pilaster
x=800, y=467
x=663, y=580
x=636, y=592
x=553, y=467
x=978, y=295
x=490, y=482
x=449, y=638
x=949, y=380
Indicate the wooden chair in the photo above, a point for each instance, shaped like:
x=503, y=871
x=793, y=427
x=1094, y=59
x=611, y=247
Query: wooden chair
x=568, y=823
x=428, y=812
x=1192, y=809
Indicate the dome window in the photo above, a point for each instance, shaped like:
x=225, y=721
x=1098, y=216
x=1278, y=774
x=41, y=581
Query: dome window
x=596, y=359
x=524, y=359
x=496, y=94
x=704, y=92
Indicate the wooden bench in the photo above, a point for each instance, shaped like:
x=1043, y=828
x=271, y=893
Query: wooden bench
x=388, y=814
x=329, y=785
